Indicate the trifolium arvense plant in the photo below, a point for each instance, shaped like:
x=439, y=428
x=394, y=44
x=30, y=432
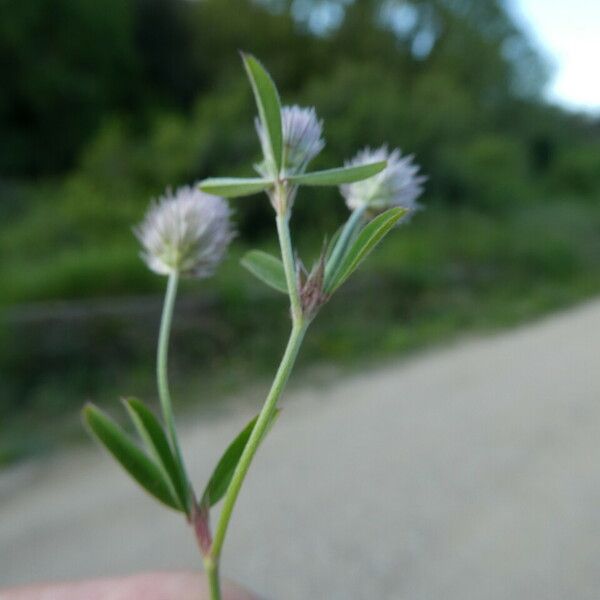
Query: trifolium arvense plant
x=187, y=232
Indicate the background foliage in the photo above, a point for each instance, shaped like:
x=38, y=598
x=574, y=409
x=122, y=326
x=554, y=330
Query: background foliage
x=105, y=104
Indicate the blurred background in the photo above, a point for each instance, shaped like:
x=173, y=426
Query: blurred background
x=104, y=105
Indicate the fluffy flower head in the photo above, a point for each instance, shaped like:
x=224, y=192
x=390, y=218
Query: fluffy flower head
x=302, y=140
x=186, y=232
x=397, y=185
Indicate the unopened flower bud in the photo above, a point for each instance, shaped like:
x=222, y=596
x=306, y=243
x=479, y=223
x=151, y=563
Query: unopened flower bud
x=186, y=232
x=397, y=185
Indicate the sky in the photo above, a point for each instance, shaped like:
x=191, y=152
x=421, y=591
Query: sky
x=568, y=31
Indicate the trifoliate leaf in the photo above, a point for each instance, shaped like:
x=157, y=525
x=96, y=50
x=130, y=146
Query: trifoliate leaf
x=143, y=469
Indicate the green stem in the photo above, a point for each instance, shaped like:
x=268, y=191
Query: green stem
x=264, y=419
x=162, y=373
x=299, y=327
x=289, y=265
x=211, y=569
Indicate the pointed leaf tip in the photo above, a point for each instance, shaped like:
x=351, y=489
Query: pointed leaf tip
x=364, y=243
x=269, y=108
x=340, y=175
x=234, y=187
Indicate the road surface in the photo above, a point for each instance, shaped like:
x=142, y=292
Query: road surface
x=472, y=472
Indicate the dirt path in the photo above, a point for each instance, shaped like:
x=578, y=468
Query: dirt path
x=470, y=473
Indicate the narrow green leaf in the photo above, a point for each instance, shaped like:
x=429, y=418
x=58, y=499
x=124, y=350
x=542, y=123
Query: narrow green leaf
x=221, y=477
x=269, y=107
x=348, y=233
x=364, y=243
x=152, y=432
x=267, y=268
x=333, y=241
x=145, y=471
x=233, y=187
x=339, y=175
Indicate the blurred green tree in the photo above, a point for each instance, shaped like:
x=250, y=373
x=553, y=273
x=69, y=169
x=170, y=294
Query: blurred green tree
x=65, y=65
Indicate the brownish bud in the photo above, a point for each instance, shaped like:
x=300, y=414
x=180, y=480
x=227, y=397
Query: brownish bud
x=312, y=296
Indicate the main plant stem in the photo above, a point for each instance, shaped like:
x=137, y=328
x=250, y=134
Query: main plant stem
x=264, y=419
x=212, y=575
x=300, y=324
x=289, y=266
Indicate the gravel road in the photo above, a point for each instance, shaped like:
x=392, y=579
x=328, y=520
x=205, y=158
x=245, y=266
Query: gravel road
x=472, y=472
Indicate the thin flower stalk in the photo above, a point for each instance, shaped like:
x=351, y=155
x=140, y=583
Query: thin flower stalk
x=162, y=373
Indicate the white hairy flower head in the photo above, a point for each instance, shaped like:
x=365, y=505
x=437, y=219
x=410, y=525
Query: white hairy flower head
x=186, y=232
x=397, y=185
